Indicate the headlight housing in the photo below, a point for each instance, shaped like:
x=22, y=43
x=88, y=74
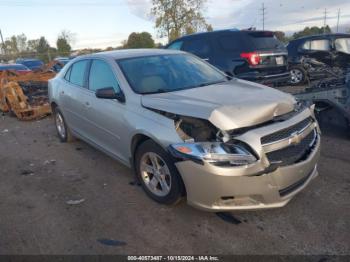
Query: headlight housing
x=217, y=153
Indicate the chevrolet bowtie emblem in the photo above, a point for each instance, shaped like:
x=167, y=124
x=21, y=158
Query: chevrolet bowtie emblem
x=295, y=138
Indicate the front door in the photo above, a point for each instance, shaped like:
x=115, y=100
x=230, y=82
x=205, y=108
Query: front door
x=105, y=116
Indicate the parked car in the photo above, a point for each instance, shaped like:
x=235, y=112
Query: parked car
x=60, y=63
x=20, y=69
x=330, y=51
x=32, y=64
x=251, y=55
x=188, y=129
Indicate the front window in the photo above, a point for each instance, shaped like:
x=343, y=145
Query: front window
x=102, y=76
x=167, y=73
x=342, y=45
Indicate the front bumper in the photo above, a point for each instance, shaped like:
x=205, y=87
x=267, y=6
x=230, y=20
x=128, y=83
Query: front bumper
x=214, y=188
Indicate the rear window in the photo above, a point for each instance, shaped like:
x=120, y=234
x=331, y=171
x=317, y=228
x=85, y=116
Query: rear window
x=264, y=40
x=77, y=72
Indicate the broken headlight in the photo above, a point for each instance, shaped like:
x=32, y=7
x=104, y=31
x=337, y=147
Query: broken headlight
x=217, y=153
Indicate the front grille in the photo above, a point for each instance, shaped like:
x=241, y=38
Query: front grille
x=285, y=133
x=293, y=153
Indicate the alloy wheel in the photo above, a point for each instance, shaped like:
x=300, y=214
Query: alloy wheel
x=61, y=129
x=296, y=76
x=155, y=174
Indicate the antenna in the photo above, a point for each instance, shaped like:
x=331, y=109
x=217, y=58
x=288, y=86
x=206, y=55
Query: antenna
x=3, y=44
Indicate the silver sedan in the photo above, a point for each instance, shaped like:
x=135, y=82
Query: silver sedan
x=187, y=129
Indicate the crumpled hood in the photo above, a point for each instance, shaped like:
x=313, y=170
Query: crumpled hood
x=227, y=106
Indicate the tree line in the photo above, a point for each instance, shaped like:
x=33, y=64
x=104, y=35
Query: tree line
x=19, y=46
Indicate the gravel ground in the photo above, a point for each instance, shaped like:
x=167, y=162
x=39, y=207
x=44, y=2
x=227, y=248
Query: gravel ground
x=108, y=214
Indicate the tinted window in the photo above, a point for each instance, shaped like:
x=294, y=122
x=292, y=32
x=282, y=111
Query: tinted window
x=231, y=43
x=78, y=72
x=264, y=40
x=198, y=47
x=176, y=46
x=101, y=76
x=342, y=45
x=317, y=45
x=167, y=73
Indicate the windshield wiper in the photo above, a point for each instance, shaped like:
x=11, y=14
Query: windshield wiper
x=158, y=91
x=212, y=83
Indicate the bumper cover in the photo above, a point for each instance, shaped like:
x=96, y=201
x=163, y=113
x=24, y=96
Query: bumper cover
x=213, y=188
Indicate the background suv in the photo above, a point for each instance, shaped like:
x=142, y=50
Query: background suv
x=331, y=50
x=251, y=55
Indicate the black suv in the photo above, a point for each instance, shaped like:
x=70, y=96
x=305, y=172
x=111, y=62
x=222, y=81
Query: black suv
x=251, y=55
x=307, y=56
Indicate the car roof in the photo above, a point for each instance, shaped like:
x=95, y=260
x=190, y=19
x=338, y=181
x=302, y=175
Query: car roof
x=220, y=32
x=131, y=53
x=335, y=35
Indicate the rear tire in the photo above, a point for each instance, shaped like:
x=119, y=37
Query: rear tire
x=298, y=75
x=62, y=129
x=158, y=175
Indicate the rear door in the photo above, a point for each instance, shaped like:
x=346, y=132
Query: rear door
x=72, y=95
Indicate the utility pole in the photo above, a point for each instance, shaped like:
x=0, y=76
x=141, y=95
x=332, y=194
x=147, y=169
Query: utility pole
x=325, y=20
x=3, y=44
x=263, y=13
x=338, y=20
x=48, y=54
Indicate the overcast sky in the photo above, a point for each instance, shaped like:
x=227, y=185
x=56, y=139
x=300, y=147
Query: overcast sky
x=102, y=23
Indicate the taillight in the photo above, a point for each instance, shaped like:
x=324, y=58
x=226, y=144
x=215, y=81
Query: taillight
x=253, y=58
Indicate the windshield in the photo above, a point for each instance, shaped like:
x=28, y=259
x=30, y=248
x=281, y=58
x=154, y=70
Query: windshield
x=167, y=73
x=343, y=45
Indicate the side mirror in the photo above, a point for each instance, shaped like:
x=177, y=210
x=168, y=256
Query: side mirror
x=109, y=93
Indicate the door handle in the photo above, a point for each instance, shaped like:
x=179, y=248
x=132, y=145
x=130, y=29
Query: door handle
x=62, y=92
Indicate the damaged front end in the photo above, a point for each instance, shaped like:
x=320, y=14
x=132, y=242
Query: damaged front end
x=203, y=142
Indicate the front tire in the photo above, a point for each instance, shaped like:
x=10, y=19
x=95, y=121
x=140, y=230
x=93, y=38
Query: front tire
x=298, y=75
x=157, y=173
x=62, y=129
